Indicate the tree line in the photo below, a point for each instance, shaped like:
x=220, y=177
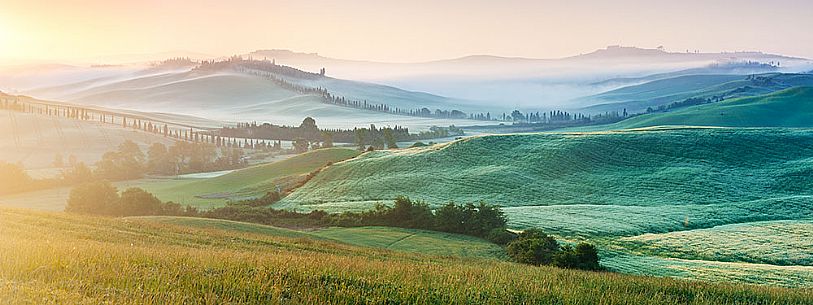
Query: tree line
x=188, y=134
x=130, y=162
x=309, y=135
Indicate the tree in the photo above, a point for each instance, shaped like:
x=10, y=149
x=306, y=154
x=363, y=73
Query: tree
x=409, y=214
x=98, y=197
x=327, y=139
x=301, y=145
x=159, y=161
x=78, y=173
x=389, y=138
x=308, y=123
x=517, y=116
x=125, y=163
x=360, y=137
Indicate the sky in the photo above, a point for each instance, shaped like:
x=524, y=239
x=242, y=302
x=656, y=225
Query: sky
x=396, y=31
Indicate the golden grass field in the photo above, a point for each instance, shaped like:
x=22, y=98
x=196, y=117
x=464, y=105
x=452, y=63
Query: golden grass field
x=58, y=258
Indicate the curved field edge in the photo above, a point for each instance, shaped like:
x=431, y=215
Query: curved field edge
x=64, y=258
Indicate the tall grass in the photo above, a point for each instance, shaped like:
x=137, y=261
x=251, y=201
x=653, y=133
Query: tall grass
x=58, y=258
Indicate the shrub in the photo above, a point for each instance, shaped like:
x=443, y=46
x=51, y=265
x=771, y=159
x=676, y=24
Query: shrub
x=537, y=248
x=99, y=198
x=533, y=247
x=501, y=236
x=138, y=202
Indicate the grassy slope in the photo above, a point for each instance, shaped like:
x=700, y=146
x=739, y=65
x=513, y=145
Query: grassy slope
x=642, y=168
x=59, y=258
x=602, y=186
x=249, y=182
x=787, y=108
x=770, y=242
x=638, y=97
x=232, y=96
x=35, y=140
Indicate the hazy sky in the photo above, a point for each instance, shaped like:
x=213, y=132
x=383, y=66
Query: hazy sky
x=402, y=31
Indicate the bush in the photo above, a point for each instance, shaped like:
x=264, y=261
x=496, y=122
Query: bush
x=13, y=178
x=138, y=202
x=100, y=198
x=584, y=256
x=501, y=236
x=534, y=247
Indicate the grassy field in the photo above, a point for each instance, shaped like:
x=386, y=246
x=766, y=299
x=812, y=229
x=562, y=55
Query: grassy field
x=408, y=240
x=65, y=259
x=770, y=242
x=786, y=108
x=645, y=168
x=245, y=183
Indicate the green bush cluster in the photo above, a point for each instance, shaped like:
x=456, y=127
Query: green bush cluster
x=470, y=219
x=534, y=247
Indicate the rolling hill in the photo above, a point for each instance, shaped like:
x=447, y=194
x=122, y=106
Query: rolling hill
x=627, y=168
x=606, y=187
x=637, y=98
x=226, y=92
x=65, y=258
x=787, y=108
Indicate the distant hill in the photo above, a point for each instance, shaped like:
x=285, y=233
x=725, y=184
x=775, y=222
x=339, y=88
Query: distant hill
x=787, y=108
x=638, y=98
x=643, y=54
x=225, y=93
x=733, y=68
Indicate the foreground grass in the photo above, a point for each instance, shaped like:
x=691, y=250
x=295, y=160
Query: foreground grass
x=59, y=258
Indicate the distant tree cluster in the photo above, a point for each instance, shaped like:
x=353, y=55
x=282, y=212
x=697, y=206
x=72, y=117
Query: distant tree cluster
x=308, y=134
x=130, y=162
x=564, y=118
x=102, y=198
